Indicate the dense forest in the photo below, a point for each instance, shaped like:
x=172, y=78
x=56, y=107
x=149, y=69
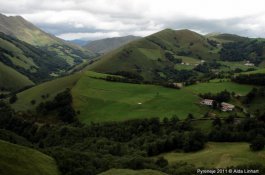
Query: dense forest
x=251, y=50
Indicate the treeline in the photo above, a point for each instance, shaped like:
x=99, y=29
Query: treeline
x=223, y=96
x=255, y=79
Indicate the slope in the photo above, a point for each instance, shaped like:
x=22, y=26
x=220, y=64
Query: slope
x=11, y=80
x=22, y=62
x=218, y=155
x=109, y=44
x=20, y=28
x=159, y=52
x=15, y=159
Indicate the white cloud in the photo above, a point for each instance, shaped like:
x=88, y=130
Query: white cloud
x=140, y=17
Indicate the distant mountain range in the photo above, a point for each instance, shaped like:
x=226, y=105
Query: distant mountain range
x=108, y=44
x=79, y=42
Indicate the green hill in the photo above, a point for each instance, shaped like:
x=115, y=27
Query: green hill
x=10, y=79
x=100, y=100
x=131, y=172
x=109, y=44
x=156, y=53
x=23, y=64
x=225, y=37
x=15, y=159
x=20, y=28
x=218, y=155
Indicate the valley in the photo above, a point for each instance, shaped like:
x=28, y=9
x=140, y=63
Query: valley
x=164, y=104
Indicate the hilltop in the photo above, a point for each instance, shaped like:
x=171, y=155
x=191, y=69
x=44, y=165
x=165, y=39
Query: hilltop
x=157, y=53
x=108, y=44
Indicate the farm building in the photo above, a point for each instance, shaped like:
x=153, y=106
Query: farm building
x=207, y=102
x=227, y=107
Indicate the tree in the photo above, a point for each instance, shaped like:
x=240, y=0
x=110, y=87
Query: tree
x=258, y=143
x=13, y=99
x=161, y=162
x=217, y=122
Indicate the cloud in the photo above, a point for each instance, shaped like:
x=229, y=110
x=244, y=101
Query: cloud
x=94, y=19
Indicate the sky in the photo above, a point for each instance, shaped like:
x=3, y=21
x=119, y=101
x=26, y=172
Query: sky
x=96, y=19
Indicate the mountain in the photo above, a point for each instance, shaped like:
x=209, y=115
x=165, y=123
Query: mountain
x=79, y=42
x=20, y=28
x=157, y=53
x=23, y=64
x=108, y=44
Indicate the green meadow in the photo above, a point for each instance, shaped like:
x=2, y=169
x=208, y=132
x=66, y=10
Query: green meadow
x=216, y=86
x=218, y=155
x=100, y=100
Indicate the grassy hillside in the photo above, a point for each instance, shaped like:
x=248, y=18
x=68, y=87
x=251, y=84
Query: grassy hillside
x=131, y=172
x=100, y=100
x=219, y=155
x=216, y=86
x=12, y=80
x=157, y=53
x=43, y=92
x=259, y=71
x=15, y=159
x=22, y=29
x=109, y=44
x=225, y=37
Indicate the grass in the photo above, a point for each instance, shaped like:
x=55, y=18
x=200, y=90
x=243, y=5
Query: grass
x=131, y=172
x=218, y=86
x=152, y=54
x=233, y=65
x=100, y=100
x=15, y=159
x=259, y=71
x=219, y=155
x=10, y=78
x=51, y=88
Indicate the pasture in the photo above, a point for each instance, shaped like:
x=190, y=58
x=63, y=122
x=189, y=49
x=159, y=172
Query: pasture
x=218, y=155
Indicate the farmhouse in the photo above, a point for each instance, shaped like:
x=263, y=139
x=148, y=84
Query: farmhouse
x=207, y=102
x=227, y=107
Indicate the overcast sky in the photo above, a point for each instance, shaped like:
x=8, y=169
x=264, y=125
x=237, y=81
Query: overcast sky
x=95, y=19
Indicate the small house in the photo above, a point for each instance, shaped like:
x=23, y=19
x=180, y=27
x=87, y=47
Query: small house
x=208, y=102
x=227, y=107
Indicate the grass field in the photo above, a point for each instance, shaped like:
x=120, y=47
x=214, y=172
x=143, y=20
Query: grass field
x=10, y=78
x=100, y=100
x=228, y=65
x=20, y=160
x=218, y=86
x=219, y=155
x=131, y=172
x=51, y=88
x=259, y=71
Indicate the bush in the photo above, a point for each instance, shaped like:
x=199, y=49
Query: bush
x=258, y=143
